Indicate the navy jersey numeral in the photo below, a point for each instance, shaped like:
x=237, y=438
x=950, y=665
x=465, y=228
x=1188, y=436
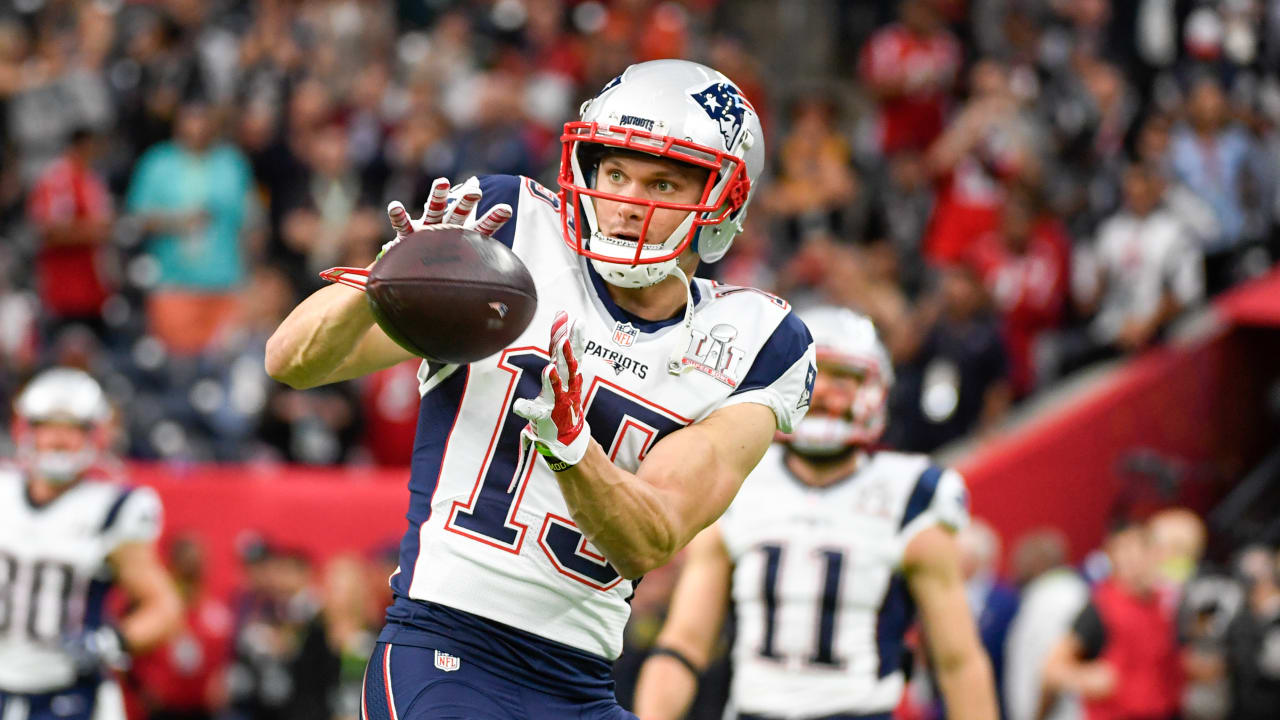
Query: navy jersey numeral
x=823, y=654
x=621, y=421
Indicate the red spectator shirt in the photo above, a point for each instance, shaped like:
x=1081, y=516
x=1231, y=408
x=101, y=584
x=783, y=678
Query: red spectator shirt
x=1029, y=290
x=967, y=207
x=390, y=400
x=1141, y=646
x=70, y=277
x=177, y=675
x=927, y=66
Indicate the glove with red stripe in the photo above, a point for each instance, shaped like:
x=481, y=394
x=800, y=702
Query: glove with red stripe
x=436, y=215
x=556, y=423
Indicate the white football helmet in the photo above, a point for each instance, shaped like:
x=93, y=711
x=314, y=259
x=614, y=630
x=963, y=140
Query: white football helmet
x=674, y=109
x=61, y=395
x=845, y=339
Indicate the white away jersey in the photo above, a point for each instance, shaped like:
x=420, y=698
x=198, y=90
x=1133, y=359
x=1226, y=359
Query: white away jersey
x=821, y=601
x=489, y=531
x=54, y=574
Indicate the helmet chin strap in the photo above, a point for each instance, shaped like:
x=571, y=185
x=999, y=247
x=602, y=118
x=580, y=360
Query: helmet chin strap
x=675, y=361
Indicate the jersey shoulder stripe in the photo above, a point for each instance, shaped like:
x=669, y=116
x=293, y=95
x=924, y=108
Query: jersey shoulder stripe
x=788, y=343
x=113, y=512
x=922, y=495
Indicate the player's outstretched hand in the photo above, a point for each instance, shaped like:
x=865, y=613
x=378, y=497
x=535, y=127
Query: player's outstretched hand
x=436, y=215
x=96, y=650
x=556, y=423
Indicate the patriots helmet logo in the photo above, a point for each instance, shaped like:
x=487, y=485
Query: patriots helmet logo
x=723, y=103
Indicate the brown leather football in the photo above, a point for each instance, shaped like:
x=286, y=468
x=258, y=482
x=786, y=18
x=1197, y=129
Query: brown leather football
x=451, y=295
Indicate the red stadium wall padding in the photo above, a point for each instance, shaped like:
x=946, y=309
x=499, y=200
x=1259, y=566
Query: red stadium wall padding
x=323, y=512
x=1202, y=407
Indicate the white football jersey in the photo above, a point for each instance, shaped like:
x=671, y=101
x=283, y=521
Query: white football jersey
x=489, y=531
x=54, y=574
x=821, y=601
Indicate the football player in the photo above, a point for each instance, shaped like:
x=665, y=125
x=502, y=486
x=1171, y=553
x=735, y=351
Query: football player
x=65, y=540
x=547, y=479
x=827, y=553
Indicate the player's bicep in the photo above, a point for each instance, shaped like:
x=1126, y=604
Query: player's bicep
x=932, y=565
x=700, y=598
x=700, y=468
x=375, y=351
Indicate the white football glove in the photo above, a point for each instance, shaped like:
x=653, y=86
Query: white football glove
x=436, y=215
x=557, y=425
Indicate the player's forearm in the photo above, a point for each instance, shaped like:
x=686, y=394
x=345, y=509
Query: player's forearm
x=625, y=518
x=664, y=690
x=318, y=336
x=152, y=622
x=968, y=687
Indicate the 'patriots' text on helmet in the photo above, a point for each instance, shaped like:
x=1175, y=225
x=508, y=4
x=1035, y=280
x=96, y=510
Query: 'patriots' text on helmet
x=673, y=109
x=847, y=341
x=63, y=396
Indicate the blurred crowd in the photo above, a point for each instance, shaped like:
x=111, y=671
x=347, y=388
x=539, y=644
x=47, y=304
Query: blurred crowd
x=1147, y=626
x=1011, y=189
x=290, y=644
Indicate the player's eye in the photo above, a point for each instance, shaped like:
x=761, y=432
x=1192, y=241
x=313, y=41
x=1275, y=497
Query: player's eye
x=615, y=176
x=663, y=186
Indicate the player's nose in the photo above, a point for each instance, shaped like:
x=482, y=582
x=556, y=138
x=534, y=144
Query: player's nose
x=828, y=397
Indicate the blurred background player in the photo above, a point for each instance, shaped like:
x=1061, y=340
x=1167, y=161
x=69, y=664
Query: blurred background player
x=516, y=570
x=827, y=552
x=65, y=539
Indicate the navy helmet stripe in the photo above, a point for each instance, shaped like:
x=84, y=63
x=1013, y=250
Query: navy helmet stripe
x=114, y=511
x=500, y=189
x=897, y=612
x=437, y=415
x=788, y=343
x=922, y=495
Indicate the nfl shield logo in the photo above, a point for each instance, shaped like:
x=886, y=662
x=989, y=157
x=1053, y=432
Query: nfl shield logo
x=624, y=334
x=447, y=662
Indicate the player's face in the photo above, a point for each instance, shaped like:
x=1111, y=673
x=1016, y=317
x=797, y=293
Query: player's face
x=59, y=437
x=645, y=178
x=834, y=390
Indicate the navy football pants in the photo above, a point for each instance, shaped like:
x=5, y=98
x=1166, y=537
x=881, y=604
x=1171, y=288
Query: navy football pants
x=403, y=682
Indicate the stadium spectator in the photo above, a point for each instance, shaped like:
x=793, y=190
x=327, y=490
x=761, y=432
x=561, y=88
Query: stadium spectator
x=1052, y=595
x=1254, y=635
x=274, y=641
x=1121, y=654
x=192, y=195
x=1024, y=266
x=990, y=142
x=953, y=377
x=815, y=184
x=335, y=669
x=330, y=217
x=182, y=680
x=390, y=400
x=1218, y=160
x=909, y=68
x=71, y=208
x=1140, y=273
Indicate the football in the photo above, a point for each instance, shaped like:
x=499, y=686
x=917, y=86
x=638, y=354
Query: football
x=451, y=295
